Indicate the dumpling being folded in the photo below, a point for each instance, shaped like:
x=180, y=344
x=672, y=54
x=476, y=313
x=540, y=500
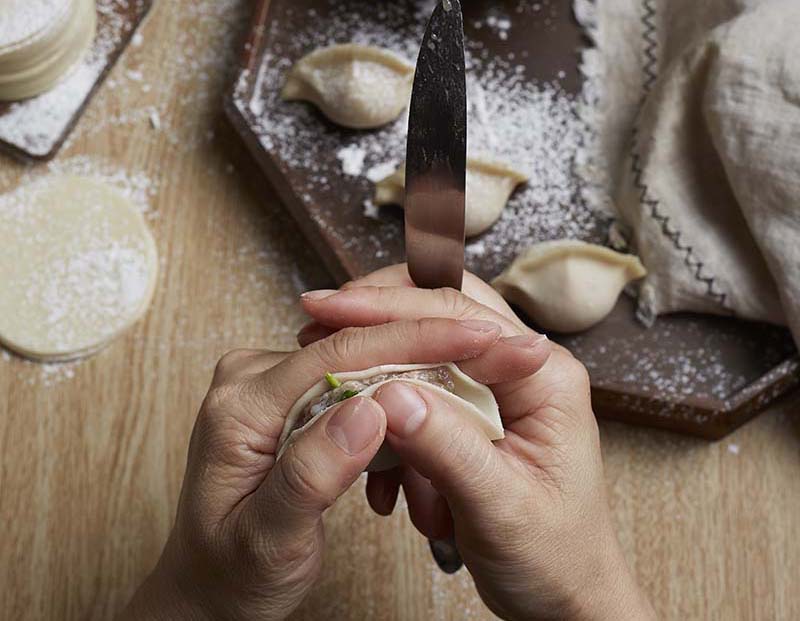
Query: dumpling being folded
x=489, y=186
x=468, y=396
x=356, y=86
x=568, y=285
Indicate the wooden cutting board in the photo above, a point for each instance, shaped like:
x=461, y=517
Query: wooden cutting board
x=34, y=129
x=694, y=374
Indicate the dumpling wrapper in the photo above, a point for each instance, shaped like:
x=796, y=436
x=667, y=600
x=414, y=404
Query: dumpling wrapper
x=568, y=285
x=43, y=48
x=471, y=398
x=489, y=186
x=356, y=86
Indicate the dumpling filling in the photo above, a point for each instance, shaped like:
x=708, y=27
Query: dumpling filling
x=340, y=391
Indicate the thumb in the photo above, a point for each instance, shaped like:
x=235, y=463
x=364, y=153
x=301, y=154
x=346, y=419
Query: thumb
x=440, y=443
x=320, y=464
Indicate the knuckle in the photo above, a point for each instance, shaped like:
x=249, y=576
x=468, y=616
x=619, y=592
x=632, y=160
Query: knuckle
x=421, y=330
x=228, y=362
x=220, y=401
x=453, y=302
x=301, y=479
x=340, y=347
x=467, y=457
x=222, y=432
x=577, y=372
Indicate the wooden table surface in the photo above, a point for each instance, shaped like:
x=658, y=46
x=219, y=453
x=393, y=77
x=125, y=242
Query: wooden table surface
x=92, y=453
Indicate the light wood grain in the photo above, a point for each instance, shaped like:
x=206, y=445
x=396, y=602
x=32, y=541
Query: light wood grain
x=91, y=464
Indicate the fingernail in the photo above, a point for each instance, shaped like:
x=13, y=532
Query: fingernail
x=405, y=408
x=526, y=341
x=319, y=294
x=485, y=327
x=354, y=425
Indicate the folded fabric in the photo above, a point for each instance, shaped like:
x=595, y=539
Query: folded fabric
x=700, y=125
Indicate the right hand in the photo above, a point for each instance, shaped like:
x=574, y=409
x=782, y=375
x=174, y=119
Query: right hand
x=529, y=513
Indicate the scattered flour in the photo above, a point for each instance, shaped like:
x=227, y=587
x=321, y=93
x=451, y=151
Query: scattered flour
x=352, y=159
x=533, y=125
x=381, y=171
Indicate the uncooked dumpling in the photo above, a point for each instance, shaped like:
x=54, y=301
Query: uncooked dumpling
x=78, y=266
x=568, y=285
x=471, y=398
x=355, y=86
x=489, y=186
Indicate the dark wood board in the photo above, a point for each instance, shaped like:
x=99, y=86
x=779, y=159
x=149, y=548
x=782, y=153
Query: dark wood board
x=694, y=374
x=34, y=129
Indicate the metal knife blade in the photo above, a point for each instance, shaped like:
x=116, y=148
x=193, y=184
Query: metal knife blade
x=436, y=165
x=436, y=154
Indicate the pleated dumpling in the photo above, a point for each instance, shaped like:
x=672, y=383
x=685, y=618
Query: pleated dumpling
x=568, y=285
x=471, y=398
x=489, y=186
x=356, y=86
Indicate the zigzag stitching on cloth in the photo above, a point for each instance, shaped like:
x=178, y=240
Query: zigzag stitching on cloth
x=650, y=70
x=650, y=36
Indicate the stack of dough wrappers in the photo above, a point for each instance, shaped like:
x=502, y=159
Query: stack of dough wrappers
x=40, y=41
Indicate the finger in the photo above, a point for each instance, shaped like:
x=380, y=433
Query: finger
x=382, y=490
x=473, y=287
x=420, y=341
x=390, y=276
x=313, y=332
x=441, y=444
x=518, y=356
x=369, y=306
x=510, y=359
x=427, y=508
x=241, y=362
x=319, y=465
x=555, y=402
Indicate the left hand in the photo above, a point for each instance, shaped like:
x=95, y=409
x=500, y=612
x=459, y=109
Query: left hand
x=248, y=537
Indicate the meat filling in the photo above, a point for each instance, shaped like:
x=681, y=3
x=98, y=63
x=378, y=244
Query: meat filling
x=438, y=376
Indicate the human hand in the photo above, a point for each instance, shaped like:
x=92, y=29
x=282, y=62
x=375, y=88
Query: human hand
x=248, y=537
x=529, y=513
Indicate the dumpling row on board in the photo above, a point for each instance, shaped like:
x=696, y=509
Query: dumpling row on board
x=489, y=186
x=568, y=285
x=364, y=87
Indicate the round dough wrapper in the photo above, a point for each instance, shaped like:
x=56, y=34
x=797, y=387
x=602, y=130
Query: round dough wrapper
x=78, y=266
x=36, y=64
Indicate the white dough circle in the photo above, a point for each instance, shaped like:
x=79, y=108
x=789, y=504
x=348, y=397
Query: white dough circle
x=78, y=266
x=40, y=41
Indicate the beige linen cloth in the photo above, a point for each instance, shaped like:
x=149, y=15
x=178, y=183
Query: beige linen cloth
x=699, y=148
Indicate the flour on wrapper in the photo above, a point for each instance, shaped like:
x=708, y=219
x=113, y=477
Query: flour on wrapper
x=568, y=285
x=489, y=186
x=471, y=398
x=356, y=86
